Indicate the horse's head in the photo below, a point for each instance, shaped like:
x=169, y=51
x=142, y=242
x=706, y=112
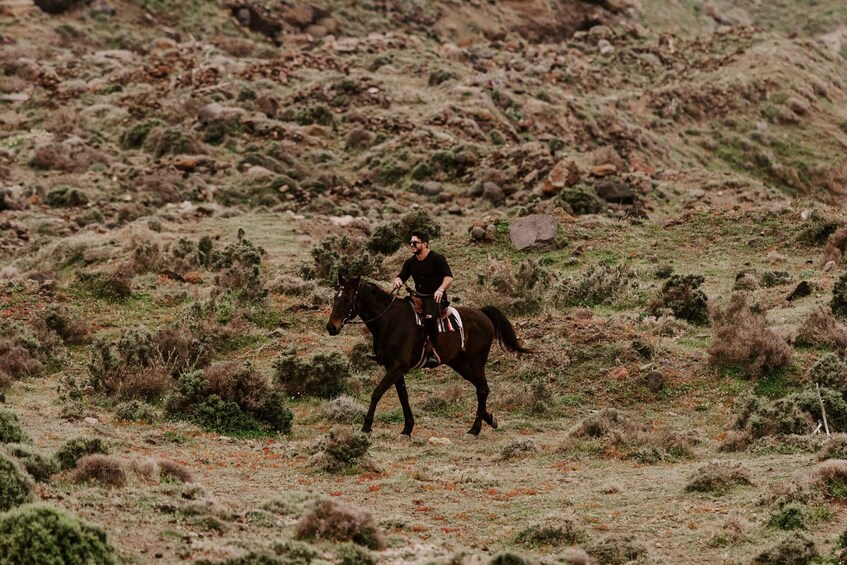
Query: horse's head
x=343, y=305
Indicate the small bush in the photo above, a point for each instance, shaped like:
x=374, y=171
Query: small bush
x=343, y=449
x=796, y=548
x=775, y=278
x=173, y=471
x=791, y=516
x=553, y=531
x=718, y=477
x=344, y=409
x=15, y=484
x=332, y=521
x=352, y=554
x=17, y=361
x=581, y=199
x=681, y=294
x=63, y=196
x=71, y=329
x=741, y=340
x=518, y=449
x=835, y=447
x=137, y=411
x=617, y=550
x=822, y=329
x=104, y=285
x=162, y=141
x=134, y=137
x=61, y=538
x=334, y=257
x=521, y=291
x=598, y=284
x=73, y=450
x=830, y=371
x=391, y=236
x=10, y=428
x=38, y=465
x=795, y=413
x=831, y=477
x=102, y=469
x=239, y=269
x=324, y=375
x=223, y=416
x=836, y=242
x=839, y=297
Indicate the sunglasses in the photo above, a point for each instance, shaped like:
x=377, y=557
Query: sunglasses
x=414, y=243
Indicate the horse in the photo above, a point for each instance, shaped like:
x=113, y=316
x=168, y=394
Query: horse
x=399, y=344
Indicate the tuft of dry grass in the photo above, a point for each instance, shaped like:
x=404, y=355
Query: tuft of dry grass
x=796, y=548
x=834, y=448
x=517, y=449
x=171, y=470
x=344, y=409
x=17, y=362
x=821, y=328
x=333, y=521
x=718, y=477
x=617, y=550
x=551, y=531
x=102, y=469
x=741, y=339
x=831, y=477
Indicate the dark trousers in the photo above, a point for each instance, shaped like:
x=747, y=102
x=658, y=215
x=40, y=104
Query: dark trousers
x=433, y=309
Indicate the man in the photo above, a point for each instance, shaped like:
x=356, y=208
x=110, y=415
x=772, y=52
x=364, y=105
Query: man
x=432, y=277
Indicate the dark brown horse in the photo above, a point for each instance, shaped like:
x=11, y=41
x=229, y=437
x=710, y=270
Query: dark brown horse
x=399, y=344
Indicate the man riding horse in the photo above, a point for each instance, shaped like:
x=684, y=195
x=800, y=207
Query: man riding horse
x=432, y=277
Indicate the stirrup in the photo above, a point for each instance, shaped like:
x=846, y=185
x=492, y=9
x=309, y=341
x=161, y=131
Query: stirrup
x=431, y=361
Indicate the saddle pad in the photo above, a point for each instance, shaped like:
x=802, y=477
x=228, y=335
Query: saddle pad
x=451, y=321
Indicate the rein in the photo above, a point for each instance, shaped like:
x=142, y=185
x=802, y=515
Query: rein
x=351, y=318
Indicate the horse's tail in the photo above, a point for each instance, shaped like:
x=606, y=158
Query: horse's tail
x=504, y=333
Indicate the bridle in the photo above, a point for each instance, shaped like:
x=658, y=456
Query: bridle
x=353, y=312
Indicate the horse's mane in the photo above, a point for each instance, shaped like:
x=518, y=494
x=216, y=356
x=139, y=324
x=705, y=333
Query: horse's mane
x=370, y=290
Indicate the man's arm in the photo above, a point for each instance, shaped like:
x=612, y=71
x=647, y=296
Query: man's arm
x=404, y=274
x=445, y=284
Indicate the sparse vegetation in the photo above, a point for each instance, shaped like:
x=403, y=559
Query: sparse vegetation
x=718, y=477
x=75, y=449
x=15, y=484
x=332, y=521
x=324, y=375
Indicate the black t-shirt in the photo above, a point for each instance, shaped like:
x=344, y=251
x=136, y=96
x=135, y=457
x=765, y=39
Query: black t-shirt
x=428, y=273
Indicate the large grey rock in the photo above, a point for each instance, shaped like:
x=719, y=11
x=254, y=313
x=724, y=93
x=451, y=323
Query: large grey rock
x=535, y=230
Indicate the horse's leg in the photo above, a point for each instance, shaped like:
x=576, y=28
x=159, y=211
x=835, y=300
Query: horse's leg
x=408, y=418
x=387, y=382
x=466, y=370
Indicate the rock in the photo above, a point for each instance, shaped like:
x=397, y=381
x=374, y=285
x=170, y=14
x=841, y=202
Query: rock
x=655, y=382
x=491, y=231
x=55, y=6
x=745, y=281
x=614, y=190
x=493, y=193
x=162, y=44
x=830, y=265
x=478, y=233
x=605, y=47
x=802, y=289
x=432, y=188
x=563, y=174
x=299, y=16
x=455, y=210
x=604, y=170
x=256, y=21
x=104, y=9
x=535, y=230
x=259, y=172
x=439, y=441
x=267, y=105
x=214, y=112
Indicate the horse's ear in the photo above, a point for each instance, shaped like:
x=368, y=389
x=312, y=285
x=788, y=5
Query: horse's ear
x=341, y=280
x=354, y=281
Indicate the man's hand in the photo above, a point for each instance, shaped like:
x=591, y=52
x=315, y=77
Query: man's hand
x=439, y=294
x=398, y=282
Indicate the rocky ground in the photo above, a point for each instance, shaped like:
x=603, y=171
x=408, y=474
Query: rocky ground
x=651, y=191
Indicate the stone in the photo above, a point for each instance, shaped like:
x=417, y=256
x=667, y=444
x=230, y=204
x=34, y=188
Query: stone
x=214, y=111
x=564, y=174
x=493, y=193
x=604, y=170
x=745, y=281
x=614, y=190
x=830, y=265
x=533, y=231
x=802, y=289
x=491, y=231
x=432, y=188
x=267, y=105
x=299, y=16
x=605, y=47
x=455, y=210
x=439, y=441
x=478, y=233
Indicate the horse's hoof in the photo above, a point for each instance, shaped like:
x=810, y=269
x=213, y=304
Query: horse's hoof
x=405, y=437
x=470, y=437
x=494, y=423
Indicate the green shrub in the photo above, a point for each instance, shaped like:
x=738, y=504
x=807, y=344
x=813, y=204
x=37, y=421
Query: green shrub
x=10, y=428
x=791, y=516
x=64, y=196
x=817, y=231
x=830, y=371
x=598, y=284
x=344, y=449
x=333, y=521
x=391, y=236
x=15, y=484
x=134, y=137
x=796, y=548
x=336, y=256
x=352, y=554
x=319, y=114
x=553, y=531
x=162, y=141
x=74, y=449
x=790, y=414
x=617, y=550
x=239, y=269
x=41, y=467
x=137, y=411
x=839, y=297
x=324, y=375
x=681, y=295
x=581, y=199
x=104, y=285
x=39, y=533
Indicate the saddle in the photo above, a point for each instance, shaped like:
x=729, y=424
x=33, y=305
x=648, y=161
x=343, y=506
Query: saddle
x=417, y=304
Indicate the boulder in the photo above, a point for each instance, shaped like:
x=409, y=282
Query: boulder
x=614, y=190
x=803, y=289
x=533, y=231
x=299, y=16
x=563, y=174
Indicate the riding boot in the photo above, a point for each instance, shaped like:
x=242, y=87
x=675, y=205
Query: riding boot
x=432, y=359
